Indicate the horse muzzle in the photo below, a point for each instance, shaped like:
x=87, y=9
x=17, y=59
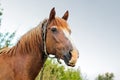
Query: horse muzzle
x=71, y=58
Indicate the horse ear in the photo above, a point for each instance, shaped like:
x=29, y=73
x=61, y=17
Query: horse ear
x=65, y=17
x=52, y=14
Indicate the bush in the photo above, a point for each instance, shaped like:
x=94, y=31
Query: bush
x=106, y=76
x=54, y=71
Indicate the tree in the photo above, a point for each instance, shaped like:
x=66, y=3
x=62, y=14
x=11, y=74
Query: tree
x=106, y=76
x=5, y=39
x=0, y=13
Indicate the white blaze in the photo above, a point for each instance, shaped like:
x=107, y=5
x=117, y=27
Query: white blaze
x=67, y=35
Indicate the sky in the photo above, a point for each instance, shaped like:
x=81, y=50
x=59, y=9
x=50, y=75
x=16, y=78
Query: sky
x=95, y=26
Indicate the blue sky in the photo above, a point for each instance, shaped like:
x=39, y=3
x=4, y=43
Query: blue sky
x=95, y=28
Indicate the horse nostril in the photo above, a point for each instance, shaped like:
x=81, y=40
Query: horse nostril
x=70, y=53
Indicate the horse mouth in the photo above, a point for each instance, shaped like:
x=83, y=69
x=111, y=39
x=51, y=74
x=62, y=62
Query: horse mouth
x=67, y=59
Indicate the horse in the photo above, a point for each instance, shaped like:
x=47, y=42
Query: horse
x=25, y=59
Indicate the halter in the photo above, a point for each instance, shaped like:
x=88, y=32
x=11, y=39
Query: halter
x=44, y=31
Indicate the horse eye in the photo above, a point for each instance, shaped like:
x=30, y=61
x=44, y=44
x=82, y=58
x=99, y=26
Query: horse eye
x=54, y=29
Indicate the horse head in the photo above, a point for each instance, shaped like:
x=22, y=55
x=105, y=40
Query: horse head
x=58, y=39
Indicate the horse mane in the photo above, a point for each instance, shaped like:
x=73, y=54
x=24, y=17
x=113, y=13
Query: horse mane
x=27, y=42
x=32, y=39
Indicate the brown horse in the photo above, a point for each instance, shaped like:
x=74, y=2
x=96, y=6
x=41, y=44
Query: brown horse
x=24, y=60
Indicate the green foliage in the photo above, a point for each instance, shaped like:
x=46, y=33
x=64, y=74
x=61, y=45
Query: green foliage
x=5, y=39
x=54, y=71
x=0, y=13
x=106, y=76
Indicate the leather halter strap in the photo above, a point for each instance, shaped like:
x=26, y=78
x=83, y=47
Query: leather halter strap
x=44, y=31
